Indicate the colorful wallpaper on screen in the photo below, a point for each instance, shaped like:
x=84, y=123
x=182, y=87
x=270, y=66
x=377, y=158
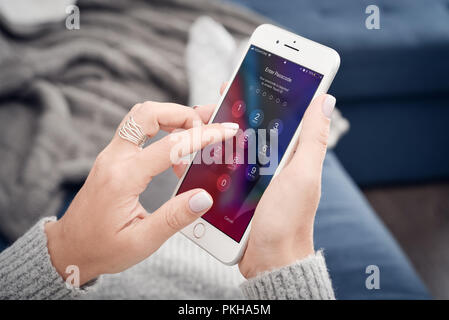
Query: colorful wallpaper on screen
x=268, y=92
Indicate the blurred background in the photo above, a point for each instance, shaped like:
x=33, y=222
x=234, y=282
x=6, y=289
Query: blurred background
x=393, y=87
x=63, y=91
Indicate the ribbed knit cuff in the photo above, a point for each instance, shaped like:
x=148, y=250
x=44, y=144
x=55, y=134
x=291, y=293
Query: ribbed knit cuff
x=306, y=279
x=26, y=271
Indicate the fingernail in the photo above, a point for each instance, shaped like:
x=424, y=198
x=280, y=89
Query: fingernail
x=328, y=105
x=230, y=125
x=200, y=202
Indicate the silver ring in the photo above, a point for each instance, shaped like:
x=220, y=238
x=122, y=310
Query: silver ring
x=132, y=132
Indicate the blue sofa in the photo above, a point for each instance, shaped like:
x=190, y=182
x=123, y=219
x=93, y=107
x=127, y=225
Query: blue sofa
x=393, y=83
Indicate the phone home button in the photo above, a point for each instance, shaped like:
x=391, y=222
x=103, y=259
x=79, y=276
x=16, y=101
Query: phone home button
x=198, y=230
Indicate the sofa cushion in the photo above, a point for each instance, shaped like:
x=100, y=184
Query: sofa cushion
x=408, y=54
x=400, y=141
x=353, y=238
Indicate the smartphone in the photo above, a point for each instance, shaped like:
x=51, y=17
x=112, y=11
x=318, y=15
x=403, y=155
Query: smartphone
x=277, y=78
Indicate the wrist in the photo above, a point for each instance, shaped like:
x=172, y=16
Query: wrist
x=61, y=255
x=270, y=259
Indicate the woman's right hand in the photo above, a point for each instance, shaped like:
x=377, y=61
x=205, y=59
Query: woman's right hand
x=106, y=229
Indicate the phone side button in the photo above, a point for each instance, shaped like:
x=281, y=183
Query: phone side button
x=198, y=230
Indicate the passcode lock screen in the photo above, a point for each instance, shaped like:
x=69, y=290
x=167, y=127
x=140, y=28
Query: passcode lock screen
x=267, y=98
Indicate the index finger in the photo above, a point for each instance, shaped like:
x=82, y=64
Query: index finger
x=154, y=116
x=165, y=152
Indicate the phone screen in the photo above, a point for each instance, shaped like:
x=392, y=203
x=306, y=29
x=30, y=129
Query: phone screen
x=267, y=98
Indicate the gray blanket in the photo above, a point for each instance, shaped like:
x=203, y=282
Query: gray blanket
x=63, y=92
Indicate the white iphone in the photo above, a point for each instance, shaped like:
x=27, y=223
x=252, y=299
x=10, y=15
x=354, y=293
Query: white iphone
x=278, y=76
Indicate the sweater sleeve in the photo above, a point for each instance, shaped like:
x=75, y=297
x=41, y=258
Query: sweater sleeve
x=26, y=271
x=306, y=279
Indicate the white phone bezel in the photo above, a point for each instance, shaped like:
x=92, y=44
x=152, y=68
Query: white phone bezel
x=312, y=55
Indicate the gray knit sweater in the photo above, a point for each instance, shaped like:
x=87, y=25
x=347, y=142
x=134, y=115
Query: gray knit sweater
x=26, y=272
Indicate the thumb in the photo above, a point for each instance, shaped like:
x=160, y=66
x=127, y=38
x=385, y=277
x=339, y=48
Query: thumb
x=314, y=135
x=176, y=214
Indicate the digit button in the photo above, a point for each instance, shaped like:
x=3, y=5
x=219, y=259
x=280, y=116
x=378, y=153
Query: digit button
x=256, y=117
x=223, y=182
x=238, y=109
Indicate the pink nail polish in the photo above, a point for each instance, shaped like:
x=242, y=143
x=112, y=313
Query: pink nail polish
x=200, y=202
x=328, y=105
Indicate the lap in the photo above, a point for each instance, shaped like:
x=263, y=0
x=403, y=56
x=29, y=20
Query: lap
x=353, y=237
